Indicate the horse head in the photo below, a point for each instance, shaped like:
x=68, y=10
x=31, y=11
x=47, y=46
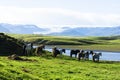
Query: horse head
x=91, y=52
x=62, y=51
x=77, y=51
x=100, y=54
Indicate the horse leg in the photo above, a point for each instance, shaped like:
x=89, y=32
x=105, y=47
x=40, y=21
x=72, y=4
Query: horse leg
x=88, y=57
x=93, y=58
x=27, y=52
x=98, y=59
x=55, y=55
x=70, y=54
x=75, y=55
x=79, y=58
x=82, y=57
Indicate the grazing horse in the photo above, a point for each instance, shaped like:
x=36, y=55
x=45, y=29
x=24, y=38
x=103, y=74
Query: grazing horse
x=87, y=55
x=55, y=52
x=39, y=49
x=96, y=56
x=81, y=55
x=74, y=52
x=28, y=49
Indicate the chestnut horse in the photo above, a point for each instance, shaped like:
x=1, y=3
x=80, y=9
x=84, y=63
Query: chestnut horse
x=39, y=49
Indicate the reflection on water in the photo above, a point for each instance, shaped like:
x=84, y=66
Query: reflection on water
x=109, y=56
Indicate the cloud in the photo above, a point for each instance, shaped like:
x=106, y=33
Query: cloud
x=55, y=18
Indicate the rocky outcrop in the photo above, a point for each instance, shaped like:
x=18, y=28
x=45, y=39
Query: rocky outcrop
x=10, y=45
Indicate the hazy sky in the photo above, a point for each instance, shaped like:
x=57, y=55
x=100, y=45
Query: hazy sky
x=61, y=13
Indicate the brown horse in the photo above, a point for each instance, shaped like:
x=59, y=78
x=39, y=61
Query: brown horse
x=55, y=51
x=39, y=49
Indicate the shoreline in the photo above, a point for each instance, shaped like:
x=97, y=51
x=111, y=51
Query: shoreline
x=84, y=47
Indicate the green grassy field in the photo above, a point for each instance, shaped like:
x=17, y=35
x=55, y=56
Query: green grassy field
x=60, y=68
x=111, y=43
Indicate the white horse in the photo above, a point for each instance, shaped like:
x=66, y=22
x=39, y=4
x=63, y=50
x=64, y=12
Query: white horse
x=96, y=56
x=29, y=48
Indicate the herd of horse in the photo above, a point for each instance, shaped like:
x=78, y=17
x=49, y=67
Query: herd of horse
x=79, y=54
x=29, y=50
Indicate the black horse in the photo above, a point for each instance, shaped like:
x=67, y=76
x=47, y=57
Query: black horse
x=95, y=56
x=81, y=55
x=87, y=55
x=74, y=52
x=91, y=52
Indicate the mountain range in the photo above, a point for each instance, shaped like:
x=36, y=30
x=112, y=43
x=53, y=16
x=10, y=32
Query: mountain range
x=89, y=31
x=67, y=31
x=20, y=29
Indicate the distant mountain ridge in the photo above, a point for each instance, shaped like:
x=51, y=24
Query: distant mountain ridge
x=89, y=31
x=3, y=29
x=67, y=31
x=20, y=29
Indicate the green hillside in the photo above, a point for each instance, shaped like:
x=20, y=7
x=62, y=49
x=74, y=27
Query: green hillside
x=110, y=43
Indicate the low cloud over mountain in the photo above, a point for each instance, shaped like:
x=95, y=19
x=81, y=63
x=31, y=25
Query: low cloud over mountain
x=89, y=31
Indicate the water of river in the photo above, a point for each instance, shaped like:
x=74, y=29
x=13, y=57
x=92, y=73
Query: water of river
x=109, y=56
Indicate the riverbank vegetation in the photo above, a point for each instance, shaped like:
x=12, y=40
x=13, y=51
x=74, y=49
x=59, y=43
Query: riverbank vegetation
x=110, y=43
